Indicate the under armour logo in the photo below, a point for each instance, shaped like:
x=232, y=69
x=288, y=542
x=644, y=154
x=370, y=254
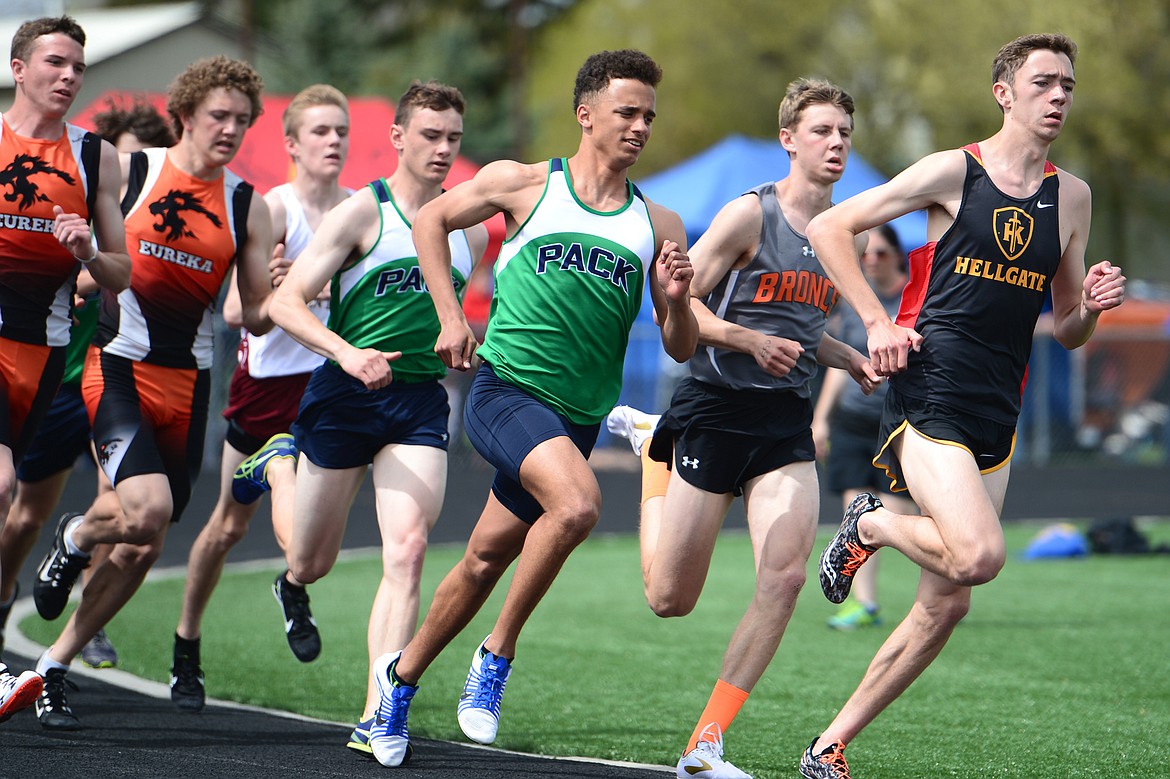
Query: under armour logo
x=807, y=251
x=690, y=462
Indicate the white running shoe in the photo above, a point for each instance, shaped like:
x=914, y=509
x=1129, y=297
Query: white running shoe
x=18, y=692
x=479, y=705
x=633, y=425
x=389, y=736
x=706, y=761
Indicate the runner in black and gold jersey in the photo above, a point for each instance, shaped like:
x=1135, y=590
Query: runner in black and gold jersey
x=1006, y=228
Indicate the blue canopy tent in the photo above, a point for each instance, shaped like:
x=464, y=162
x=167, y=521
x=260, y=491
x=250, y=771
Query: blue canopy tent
x=696, y=189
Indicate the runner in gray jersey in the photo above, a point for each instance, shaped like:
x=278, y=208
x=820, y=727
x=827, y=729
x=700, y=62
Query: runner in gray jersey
x=740, y=424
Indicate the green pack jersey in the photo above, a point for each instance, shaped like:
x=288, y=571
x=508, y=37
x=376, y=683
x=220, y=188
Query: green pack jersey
x=80, y=337
x=381, y=302
x=568, y=288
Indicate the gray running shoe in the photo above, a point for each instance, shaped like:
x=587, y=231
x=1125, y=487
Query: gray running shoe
x=99, y=652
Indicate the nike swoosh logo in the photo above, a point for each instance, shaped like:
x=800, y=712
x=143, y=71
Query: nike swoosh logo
x=698, y=769
x=1045, y=205
x=288, y=625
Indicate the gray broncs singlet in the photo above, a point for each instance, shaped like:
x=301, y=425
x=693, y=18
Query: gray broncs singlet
x=783, y=292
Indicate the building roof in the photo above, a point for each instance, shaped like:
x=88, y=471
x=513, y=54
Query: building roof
x=112, y=31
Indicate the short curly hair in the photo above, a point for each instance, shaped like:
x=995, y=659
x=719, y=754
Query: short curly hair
x=27, y=34
x=605, y=66
x=192, y=86
x=140, y=119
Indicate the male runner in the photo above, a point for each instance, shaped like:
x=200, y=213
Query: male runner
x=60, y=202
x=741, y=423
x=147, y=379
x=266, y=390
x=377, y=399
x=582, y=244
x=1005, y=228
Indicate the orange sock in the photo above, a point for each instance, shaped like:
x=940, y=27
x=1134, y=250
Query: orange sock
x=655, y=475
x=725, y=702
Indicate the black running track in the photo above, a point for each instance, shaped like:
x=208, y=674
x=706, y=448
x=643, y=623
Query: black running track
x=132, y=734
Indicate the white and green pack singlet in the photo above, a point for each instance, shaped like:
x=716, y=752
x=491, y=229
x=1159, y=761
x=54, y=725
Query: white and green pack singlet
x=381, y=302
x=568, y=287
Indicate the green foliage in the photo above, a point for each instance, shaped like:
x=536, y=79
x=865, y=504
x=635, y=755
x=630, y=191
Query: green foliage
x=920, y=72
x=1059, y=666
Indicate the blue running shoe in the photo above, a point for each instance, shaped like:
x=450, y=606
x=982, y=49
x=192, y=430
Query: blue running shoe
x=479, y=705
x=389, y=737
x=359, y=740
x=250, y=480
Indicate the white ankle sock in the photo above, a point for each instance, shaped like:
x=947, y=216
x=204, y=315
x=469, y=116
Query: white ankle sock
x=46, y=663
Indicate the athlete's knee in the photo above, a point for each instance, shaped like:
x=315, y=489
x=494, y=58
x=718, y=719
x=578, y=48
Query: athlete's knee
x=308, y=569
x=483, y=566
x=780, y=585
x=142, y=527
x=575, y=517
x=667, y=604
x=403, y=558
x=979, y=566
x=227, y=526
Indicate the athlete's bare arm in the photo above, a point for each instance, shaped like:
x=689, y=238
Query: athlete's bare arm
x=935, y=183
x=233, y=310
x=109, y=267
x=670, y=283
x=252, y=279
x=348, y=231
x=730, y=242
x=833, y=353
x=1078, y=298
x=505, y=186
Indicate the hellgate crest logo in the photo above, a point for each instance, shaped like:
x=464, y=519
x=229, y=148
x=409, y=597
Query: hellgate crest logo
x=169, y=208
x=18, y=177
x=1013, y=230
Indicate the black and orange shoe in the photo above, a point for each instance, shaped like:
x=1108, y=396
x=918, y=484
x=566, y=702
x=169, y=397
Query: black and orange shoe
x=845, y=553
x=829, y=763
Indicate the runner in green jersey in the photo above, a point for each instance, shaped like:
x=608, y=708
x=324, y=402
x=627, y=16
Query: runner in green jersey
x=581, y=243
x=377, y=398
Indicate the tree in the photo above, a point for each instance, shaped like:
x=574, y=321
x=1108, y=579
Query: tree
x=920, y=72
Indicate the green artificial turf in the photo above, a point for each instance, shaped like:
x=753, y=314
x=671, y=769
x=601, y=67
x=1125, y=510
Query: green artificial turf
x=1061, y=669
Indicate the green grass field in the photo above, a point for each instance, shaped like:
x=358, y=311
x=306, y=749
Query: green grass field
x=1060, y=670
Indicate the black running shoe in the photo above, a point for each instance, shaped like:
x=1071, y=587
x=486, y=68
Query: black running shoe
x=5, y=610
x=57, y=573
x=53, y=707
x=829, y=763
x=187, y=680
x=299, y=626
x=845, y=553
